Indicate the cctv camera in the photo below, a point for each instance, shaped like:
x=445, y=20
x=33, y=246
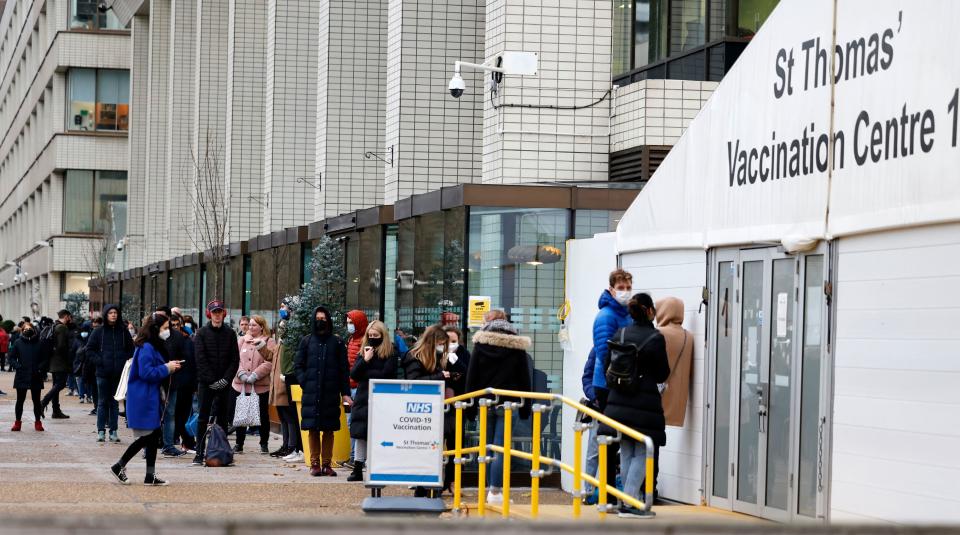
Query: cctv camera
x=120, y=246
x=456, y=86
x=102, y=7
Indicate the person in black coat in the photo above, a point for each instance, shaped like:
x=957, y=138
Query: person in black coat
x=30, y=362
x=184, y=381
x=377, y=360
x=323, y=372
x=639, y=407
x=217, y=359
x=109, y=347
x=499, y=360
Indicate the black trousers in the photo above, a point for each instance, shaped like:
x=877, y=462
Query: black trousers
x=613, y=449
x=3, y=361
x=147, y=443
x=22, y=396
x=217, y=403
x=182, y=413
x=264, y=420
x=53, y=396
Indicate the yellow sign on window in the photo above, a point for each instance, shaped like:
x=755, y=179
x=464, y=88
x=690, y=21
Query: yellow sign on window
x=478, y=306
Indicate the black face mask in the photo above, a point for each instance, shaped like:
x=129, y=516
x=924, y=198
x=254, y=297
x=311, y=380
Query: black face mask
x=374, y=342
x=323, y=326
x=29, y=333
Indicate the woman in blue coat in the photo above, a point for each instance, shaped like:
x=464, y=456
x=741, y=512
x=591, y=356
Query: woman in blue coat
x=144, y=406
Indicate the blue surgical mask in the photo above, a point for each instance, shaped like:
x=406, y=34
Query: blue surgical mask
x=84, y=335
x=351, y=328
x=284, y=314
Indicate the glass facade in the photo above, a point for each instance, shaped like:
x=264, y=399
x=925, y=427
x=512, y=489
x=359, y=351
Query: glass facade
x=95, y=201
x=85, y=15
x=99, y=99
x=682, y=39
x=364, y=268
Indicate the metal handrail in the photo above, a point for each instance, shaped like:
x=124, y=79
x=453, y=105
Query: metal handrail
x=465, y=400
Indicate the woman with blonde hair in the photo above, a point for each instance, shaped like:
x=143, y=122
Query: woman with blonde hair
x=377, y=360
x=257, y=350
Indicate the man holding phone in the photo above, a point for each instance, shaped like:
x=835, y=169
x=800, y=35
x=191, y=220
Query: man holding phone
x=176, y=349
x=218, y=359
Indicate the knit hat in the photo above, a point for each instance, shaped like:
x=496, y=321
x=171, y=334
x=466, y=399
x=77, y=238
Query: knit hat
x=500, y=326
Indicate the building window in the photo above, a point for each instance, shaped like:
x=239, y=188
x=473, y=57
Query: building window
x=682, y=39
x=99, y=100
x=95, y=201
x=84, y=15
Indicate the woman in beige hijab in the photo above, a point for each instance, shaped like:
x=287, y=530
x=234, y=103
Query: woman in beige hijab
x=679, y=355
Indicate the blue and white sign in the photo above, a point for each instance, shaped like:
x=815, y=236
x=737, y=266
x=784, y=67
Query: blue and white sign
x=405, y=433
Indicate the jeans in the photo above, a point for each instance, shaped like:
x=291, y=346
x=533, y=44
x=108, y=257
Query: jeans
x=593, y=458
x=633, y=466
x=81, y=388
x=294, y=439
x=108, y=409
x=72, y=383
x=495, y=436
x=53, y=396
x=353, y=441
x=170, y=419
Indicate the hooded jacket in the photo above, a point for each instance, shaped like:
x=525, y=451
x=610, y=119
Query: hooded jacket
x=680, y=357
x=4, y=341
x=323, y=373
x=362, y=372
x=109, y=346
x=360, y=323
x=612, y=317
x=216, y=353
x=499, y=360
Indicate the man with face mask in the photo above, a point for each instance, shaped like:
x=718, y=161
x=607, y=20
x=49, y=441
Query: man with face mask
x=613, y=315
x=218, y=359
x=324, y=375
x=109, y=346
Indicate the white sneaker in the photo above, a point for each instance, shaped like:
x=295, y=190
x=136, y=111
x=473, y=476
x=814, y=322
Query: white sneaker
x=295, y=457
x=495, y=498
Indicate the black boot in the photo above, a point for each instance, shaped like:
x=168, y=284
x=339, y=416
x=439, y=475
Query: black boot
x=357, y=474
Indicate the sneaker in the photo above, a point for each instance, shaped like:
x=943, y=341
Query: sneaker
x=281, y=453
x=591, y=499
x=495, y=498
x=114, y=437
x=264, y=450
x=37, y=426
x=188, y=451
x=72, y=393
x=153, y=481
x=295, y=457
x=59, y=415
x=93, y=412
x=101, y=436
x=16, y=426
x=627, y=511
x=238, y=449
x=120, y=473
x=2, y=393
x=173, y=452
x=197, y=460
x=82, y=400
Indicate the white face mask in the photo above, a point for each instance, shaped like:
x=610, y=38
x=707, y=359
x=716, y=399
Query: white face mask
x=165, y=334
x=351, y=328
x=441, y=349
x=622, y=296
x=453, y=347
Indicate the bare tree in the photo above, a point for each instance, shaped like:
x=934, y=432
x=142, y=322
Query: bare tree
x=278, y=255
x=207, y=192
x=98, y=255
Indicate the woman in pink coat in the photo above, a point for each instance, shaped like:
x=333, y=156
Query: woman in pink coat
x=257, y=350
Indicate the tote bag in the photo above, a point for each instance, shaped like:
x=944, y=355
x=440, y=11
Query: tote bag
x=247, y=413
x=121, y=394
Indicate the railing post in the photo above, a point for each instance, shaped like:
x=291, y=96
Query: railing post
x=458, y=461
x=535, y=472
x=602, y=477
x=507, y=443
x=482, y=460
x=648, y=483
x=577, y=468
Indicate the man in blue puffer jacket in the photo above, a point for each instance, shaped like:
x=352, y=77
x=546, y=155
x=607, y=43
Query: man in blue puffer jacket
x=612, y=317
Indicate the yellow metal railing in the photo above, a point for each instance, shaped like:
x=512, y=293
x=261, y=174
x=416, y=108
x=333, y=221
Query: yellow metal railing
x=459, y=403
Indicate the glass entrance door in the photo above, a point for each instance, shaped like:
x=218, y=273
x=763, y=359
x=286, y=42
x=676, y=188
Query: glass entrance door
x=767, y=382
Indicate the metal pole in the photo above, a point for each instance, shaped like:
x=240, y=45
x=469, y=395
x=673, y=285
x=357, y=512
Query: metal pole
x=457, y=467
x=507, y=439
x=577, y=468
x=535, y=468
x=482, y=460
x=602, y=477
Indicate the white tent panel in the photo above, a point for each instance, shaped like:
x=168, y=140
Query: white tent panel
x=679, y=273
x=908, y=185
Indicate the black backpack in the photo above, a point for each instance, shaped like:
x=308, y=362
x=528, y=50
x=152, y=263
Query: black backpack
x=219, y=452
x=47, y=338
x=622, y=374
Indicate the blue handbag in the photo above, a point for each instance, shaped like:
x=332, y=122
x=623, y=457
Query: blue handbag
x=192, y=425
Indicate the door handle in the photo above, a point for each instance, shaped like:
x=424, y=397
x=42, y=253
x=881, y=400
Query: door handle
x=761, y=410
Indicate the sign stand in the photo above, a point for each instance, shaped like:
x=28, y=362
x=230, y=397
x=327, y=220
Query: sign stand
x=404, y=444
